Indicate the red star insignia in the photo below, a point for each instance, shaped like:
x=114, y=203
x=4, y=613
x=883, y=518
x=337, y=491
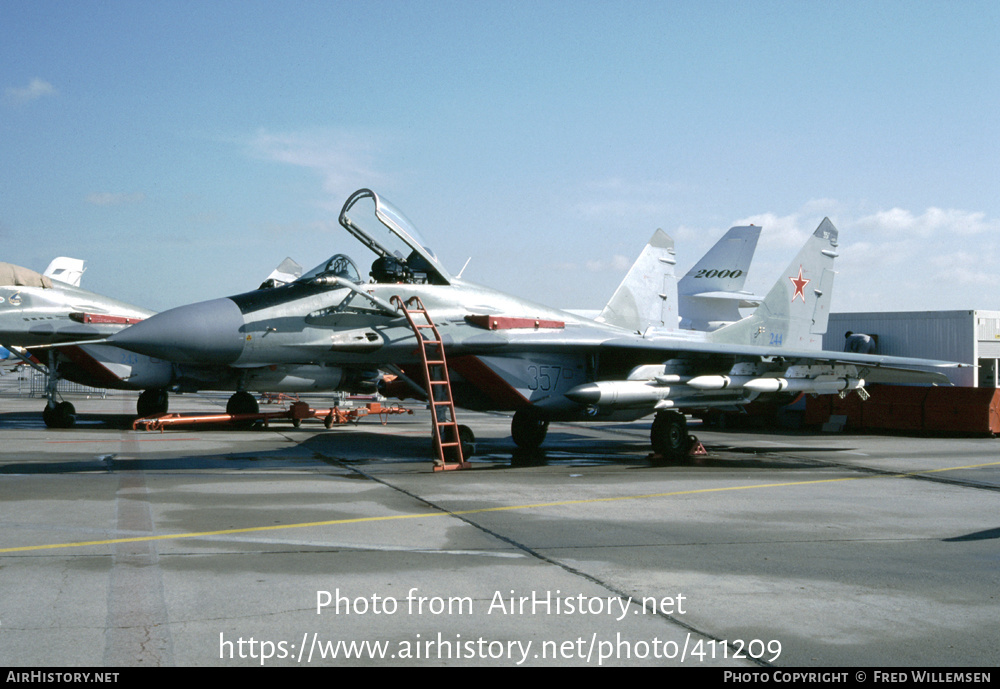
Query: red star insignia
x=800, y=286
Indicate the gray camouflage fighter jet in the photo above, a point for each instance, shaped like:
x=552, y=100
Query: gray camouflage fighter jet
x=36, y=309
x=66, y=326
x=51, y=309
x=506, y=353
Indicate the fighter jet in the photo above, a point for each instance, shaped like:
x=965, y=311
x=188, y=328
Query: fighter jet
x=36, y=309
x=494, y=351
x=67, y=327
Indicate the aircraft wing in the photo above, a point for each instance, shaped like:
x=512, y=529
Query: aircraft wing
x=663, y=348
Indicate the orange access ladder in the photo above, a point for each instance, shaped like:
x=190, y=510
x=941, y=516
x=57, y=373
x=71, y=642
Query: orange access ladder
x=447, y=441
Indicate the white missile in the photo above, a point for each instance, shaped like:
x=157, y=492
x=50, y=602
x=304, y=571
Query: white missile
x=718, y=382
x=638, y=392
x=619, y=392
x=654, y=372
x=821, y=385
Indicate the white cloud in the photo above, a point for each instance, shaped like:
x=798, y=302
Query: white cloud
x=611, y=199
x=781, y=231
x=616, y=264
x=932, y=222
x=963, y=268
x=345, y=161
x=38, y=88
x=936, y=259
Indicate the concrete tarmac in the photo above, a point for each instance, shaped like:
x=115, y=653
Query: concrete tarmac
x=306, y=546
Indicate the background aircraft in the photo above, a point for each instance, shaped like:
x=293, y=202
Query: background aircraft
x=38, y=310
x=506, y=353
x=66, y=270
x=711, y=293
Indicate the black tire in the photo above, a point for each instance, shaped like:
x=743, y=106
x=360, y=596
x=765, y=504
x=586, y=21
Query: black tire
x=468, y=440
x=528, y=429
x=63, y=415
x=152, y=403
x=669, y=436
x=48, y=416
x=242, y=403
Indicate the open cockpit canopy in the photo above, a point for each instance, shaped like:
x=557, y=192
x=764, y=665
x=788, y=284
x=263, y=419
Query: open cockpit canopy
x=402, y=254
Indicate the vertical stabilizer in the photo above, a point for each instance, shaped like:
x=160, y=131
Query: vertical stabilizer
x=710, y=294
x=647, y=297
x=796, y=310
x=67, y=270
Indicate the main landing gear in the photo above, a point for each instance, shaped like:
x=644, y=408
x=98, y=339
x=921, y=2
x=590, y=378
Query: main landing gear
x=242, y=402
x=669, y=435
x=56, y=414
x=59, y=415
x=152, y=403
x=528, y=429
x=670, y=438
x=155, y=402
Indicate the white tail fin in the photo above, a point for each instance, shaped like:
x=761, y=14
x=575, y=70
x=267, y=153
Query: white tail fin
x=796, y=310
x=711, y=293
x=647, y=297
x=67, y=270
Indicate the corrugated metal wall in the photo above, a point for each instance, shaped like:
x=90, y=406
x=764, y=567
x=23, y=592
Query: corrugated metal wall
x=963, y=336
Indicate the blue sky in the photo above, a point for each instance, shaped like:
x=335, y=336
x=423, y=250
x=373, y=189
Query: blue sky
x=185, y=148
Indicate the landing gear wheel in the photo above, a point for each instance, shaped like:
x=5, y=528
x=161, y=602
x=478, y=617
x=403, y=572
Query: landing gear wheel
x=242, y=403
x=468, y=440
x=152, y=403
x=669, y=436
x=528, y=429
x=63, y=415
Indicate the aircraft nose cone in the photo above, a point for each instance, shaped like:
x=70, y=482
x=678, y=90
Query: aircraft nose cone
x=204, y=333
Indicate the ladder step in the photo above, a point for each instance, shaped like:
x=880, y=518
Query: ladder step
x=435, y=348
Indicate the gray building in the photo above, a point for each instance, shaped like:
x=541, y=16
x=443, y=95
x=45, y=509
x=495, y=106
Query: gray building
x=970, y=337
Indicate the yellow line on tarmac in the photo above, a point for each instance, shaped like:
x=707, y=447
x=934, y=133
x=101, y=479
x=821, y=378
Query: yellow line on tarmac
x=482, y=510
